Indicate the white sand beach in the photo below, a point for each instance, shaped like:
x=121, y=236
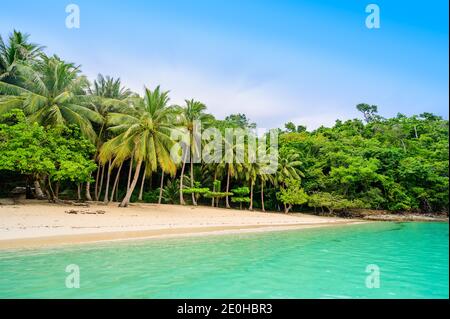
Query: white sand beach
x=37, y=223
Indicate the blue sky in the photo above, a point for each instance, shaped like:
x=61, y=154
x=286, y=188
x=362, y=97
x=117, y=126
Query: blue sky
x=309, y=62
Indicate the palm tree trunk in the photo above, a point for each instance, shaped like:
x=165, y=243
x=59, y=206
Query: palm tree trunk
x=130, y=190
x=105, y=199
x=161, y=188
x=215, y=200
x=142, y=184
x=262, y=196
x=182, y=202
x=38, y=190
x=251, y=195
x=96, y=184
x=117, y=190
x=101, y=181
x=129, y=172
x=227, y=203
x=214, y=189
x=192, y=182
x=116, y=182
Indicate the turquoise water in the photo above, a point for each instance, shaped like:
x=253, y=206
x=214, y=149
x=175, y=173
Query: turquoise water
x=317, y=263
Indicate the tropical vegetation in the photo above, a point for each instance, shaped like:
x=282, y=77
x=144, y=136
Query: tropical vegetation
x=64, y=137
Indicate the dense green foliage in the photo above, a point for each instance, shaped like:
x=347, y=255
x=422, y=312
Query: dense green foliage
x=395, y=164
x=58, y=131
x=59, y=154
x=240, y=195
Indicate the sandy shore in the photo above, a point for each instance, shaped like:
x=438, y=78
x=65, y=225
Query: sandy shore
x=36, y=224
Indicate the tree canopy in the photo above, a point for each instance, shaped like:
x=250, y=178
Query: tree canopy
x=58, y=130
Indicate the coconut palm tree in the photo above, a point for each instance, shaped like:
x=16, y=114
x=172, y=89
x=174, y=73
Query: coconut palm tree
x=109, y=88
x=108, y=95
x=116, y=182
x=288, y=168
x=264, y=178
x=17, y=50
x=211, y=172
x=266, y=158
x=51, y=92
x=232, y=168
x=250, y=172
x=194, y=111
x=144, y=133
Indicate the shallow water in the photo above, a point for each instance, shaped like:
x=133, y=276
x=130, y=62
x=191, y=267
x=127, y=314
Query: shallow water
x=412, y=259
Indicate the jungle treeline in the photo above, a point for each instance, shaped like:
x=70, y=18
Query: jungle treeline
x=65, y=137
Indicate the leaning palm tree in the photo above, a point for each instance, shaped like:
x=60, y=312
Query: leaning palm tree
x=108, y=95
x=51, y=92
x=194, y=111
x=144, y=133
x=17, y=50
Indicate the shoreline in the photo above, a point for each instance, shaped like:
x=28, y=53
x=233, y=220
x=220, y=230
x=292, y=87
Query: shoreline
x=407, y=218
x=108, y=237
x=34, y=224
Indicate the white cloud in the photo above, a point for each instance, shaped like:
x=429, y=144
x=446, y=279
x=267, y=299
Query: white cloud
x=268, y=102
x=223, y=95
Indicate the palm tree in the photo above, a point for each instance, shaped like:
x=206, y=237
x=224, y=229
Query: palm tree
x=191, y=113
x=250, y=172
x=264, y=178
x=141, y=191
x=17, y=50
x=232, y=169
x=108, y=96
x=109, y=88
x=51, y=92
x=116, y=182
x=211, y=172
x=288, y=168
x=265, y=173
x=144, y=133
